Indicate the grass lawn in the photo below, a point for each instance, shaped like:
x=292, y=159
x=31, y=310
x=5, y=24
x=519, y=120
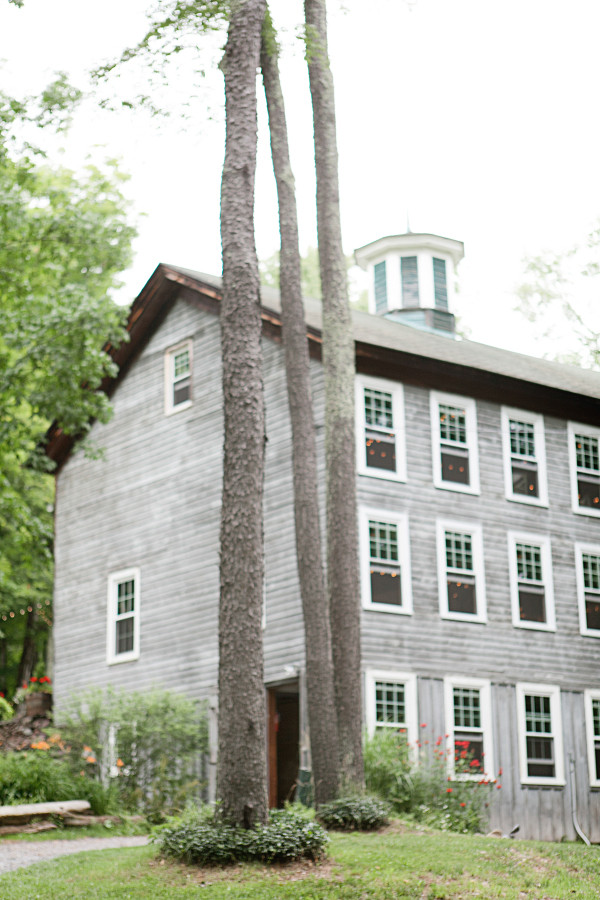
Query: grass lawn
x=397, y=863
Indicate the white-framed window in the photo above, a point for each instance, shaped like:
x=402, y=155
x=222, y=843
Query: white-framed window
x=123, y=617
x=385, y=561
x=454, y=442
x=524, y=456
x=391, y=703
x=380, y=428
x=592, y=723
x=461, y=576
x=584, y=459
x=587, y=560
x=540, y=734
x=178, y=377
x=532, y=592
x=468, y=706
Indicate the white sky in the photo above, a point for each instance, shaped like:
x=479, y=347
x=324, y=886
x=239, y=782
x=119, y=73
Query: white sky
x=477, y=119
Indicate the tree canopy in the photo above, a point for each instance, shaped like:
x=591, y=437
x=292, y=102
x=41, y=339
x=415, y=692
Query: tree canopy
x=64, y=239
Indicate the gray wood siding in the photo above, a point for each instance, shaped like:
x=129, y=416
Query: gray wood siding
x=153, y=502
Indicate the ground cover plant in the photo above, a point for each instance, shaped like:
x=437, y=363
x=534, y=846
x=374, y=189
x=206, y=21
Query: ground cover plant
x=355, y=813
x=200, y=838
x=406, y=862
x=415, y=782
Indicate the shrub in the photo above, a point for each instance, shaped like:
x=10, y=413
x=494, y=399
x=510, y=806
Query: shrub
x=36, y=777
x=197, y=838
x=147, y=745
x=417, y=784
x=359, y=813
x=6, y=710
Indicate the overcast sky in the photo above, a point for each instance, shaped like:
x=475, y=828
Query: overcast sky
x=477, y=120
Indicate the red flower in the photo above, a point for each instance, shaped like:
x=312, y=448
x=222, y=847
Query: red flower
x=423, y=724
x=463, y=754
x=474, y=762
x=33, y=679
x=448, y=790
x=438, y=742
x=463, y=804
x=498, y=787
x=499, y=771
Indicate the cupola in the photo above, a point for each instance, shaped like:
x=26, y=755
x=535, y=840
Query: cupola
x=411, y=279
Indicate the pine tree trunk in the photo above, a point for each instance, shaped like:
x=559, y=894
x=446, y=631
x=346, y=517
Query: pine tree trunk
x=319, y=667
x=338, y=365
x=242, y=768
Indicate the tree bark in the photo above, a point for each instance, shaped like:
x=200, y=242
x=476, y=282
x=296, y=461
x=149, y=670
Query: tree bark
x=319, y=666
x=29, y=650
x=338, y=365
x=242, y=768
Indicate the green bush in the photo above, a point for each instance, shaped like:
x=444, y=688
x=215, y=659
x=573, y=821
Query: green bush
x=197, y=838
x=359, y=813
x=417, y=785
x=145, y=745
x=37, y=777
x=6, y=710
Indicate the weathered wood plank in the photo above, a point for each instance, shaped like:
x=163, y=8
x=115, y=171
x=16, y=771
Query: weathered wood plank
x=12, y=815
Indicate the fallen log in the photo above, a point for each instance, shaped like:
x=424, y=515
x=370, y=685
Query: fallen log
x=31, y=828
x=26, y=812
x=76, y=820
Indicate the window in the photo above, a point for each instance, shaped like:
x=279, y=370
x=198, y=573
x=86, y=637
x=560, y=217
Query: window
x=440, y=287
x=123, y=639
x=391, y=702
x=592, y=721
x=588, y=588
x=584, y=453
x=530, y=564
x=460, y=571
x=178, y=377
x=524, y=456
x=385, y=561
x=540, y=734
x=380, y=287
x=409, y=275
x=469, y=728
x=454, y=430
x=380, y=428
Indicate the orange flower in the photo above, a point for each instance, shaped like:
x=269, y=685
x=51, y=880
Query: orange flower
x=87, y=749
x=41, y=745
x=120, y=763
x=91, y=759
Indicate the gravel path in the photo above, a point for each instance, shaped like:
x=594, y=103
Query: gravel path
x=18, y=854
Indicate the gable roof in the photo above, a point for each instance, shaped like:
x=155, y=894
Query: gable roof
x=384, y=348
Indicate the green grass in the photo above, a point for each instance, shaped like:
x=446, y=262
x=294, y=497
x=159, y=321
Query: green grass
x=411, y=864
x=72, y=833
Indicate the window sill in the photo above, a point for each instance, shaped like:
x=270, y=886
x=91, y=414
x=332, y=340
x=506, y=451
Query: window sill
x=383, y=475
x=527, y=501
x=535, y=626
x=382, y=607
x=586, y=511
x=464, y=617
x=456, y=488
x=122, y=658
x=169, y=411
x=543, y=782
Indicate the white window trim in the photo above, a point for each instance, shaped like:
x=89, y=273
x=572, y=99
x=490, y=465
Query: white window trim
x=484, y=687
x=470, y=408
x=112, y=657
x=397, y=391
x=543, y=542
x=588, y=696
x=506, y=414
x=366, y=514
x=574, y=428
x=170, y=408
x=443, y=525
x=580, y=549
x=553, y=692
x=410, y=693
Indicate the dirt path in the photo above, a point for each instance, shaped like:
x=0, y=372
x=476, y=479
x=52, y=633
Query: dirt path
x=17, y=854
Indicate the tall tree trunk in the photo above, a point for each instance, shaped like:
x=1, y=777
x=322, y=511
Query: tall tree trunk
x=319, y=667
x=242, y=767
x=338, y=364
x=29, y=650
